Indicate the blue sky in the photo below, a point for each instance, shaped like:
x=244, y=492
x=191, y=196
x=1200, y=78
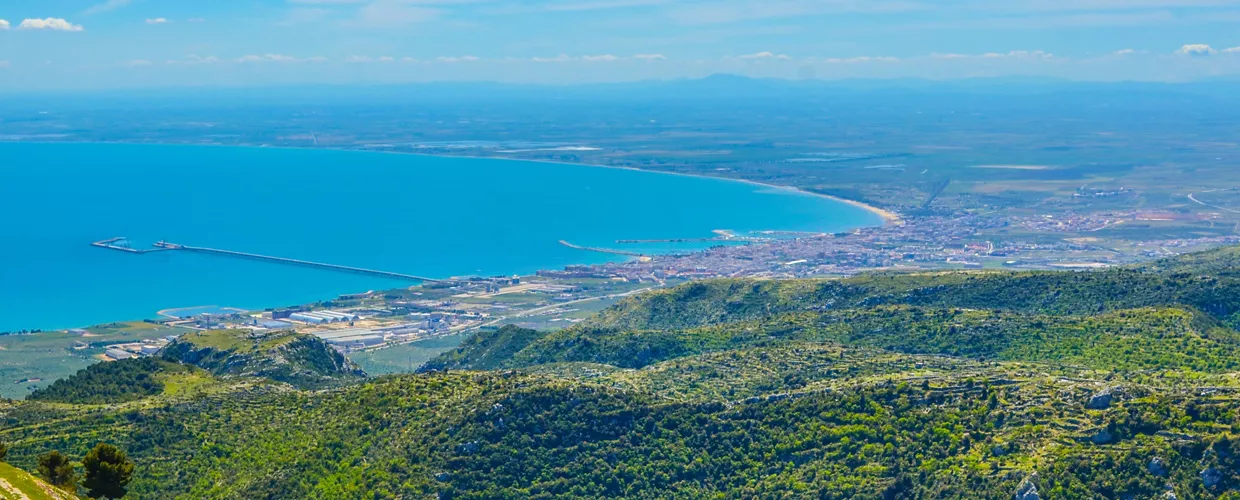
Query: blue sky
x=138, y=43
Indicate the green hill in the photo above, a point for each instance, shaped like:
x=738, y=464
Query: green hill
x=302, y=360
x=1121, y=383
x=485, y=350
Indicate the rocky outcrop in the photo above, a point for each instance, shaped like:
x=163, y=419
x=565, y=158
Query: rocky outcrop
x=1158, y=467
x=1101, y=400
x=1102, y=437
x=1028, y=490
x=1211, y=478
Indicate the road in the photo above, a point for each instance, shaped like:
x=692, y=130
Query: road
x=1191, y=196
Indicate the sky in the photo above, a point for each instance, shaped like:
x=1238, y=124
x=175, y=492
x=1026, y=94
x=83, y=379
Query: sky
x=102, y=44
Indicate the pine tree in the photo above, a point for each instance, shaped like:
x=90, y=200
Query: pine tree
x=57, y=470
x=108, y=471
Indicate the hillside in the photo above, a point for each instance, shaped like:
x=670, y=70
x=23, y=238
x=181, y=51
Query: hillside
x=16, y=484
x=298, y=359
x=1077, y=385
x=485, y=350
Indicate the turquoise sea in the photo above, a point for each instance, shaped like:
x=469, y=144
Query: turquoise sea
x=421, y=215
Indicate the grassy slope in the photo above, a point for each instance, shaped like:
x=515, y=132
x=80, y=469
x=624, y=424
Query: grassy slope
x=16, y=484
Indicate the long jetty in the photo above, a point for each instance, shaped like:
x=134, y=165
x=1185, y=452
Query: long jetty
x=163, y=246
x=601, y=250
x=296, y=262
x=676, y=240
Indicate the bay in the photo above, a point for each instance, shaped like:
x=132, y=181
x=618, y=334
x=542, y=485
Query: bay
x=421, y=215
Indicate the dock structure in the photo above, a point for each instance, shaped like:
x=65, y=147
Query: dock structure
x=121, y=244
x=676, y=240
x=601, y=250
x=296, y=262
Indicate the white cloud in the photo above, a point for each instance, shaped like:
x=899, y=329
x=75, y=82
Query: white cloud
x=4, y=64
x=859, y=59
x=408, y=59
x=157, y=20
x=1232, y=50
x=559, y=58
x=1125, y=52
x=196, y=20
x=277, y=58
x=1015, y=54
x=650, y=57
x=449, y=59
x=106, y=6
x=368, y=59
x=1196, y=49
x=602, y=58
x=764, y=55
x=4, y=25
x=50, y=23
x=1020, y=54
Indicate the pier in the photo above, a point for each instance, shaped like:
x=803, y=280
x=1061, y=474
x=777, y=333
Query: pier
x=296, y=262
x=162, y=246
x=121, y=244
x=675, y=240
x=601, y=250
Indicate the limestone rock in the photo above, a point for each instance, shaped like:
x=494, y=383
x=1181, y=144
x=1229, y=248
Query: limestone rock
x=1211, y=477
x=1158, y=467
x=1027, y=490
x=1103, y=437
x=1100, y=401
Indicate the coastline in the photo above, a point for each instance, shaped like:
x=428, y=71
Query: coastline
x=888, y=217
x=884, y=217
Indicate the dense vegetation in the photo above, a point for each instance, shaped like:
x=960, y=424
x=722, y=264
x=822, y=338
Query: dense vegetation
x=486, y=350
x=115, y=382
x=1111, y=384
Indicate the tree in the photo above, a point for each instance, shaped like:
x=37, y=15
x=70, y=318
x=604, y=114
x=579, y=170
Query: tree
x=4, y=451
x=57, y=470
x=108, y=471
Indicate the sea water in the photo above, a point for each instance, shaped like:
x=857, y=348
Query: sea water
x=420, y=215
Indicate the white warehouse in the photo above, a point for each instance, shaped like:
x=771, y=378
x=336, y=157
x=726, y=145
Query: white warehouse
x=321, y=317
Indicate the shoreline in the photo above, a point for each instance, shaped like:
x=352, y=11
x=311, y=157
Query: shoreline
x=888, y=217
x=885, y=217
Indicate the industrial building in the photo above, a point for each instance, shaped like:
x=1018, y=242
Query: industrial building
x=118, y=354
x=352, y=338
x=322, y=317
